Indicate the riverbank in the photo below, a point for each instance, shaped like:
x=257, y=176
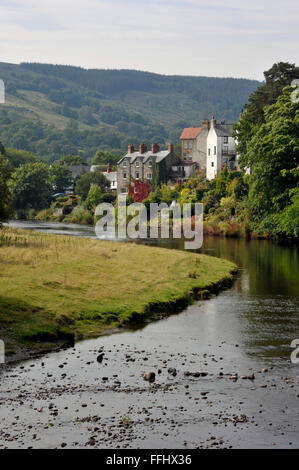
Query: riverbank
x=229, y=228
x=55, y=290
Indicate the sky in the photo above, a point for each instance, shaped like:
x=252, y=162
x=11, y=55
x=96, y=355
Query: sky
x=223, y=38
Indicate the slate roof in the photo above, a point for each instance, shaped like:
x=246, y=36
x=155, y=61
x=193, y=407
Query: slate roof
x=223, y=130
x=112, y=176
x=157, y=157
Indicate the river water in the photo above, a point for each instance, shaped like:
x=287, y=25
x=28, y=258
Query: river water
x=62, y=399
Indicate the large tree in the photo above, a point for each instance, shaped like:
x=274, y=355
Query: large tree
x=30, y=188
x=277, y=77
x=102, y=157
x=19, y=157
x=273, y=155
x=84, y=183
x=60, y=177
x=5, y=172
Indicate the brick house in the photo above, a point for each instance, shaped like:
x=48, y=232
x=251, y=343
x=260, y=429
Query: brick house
x=194, y=144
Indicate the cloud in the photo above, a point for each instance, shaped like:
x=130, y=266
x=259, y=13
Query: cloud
x=231, y=38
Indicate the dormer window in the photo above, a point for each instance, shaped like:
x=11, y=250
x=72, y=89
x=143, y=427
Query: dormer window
x=137, y=163
x=124, y=163
x=225, y=139
x=150, y=163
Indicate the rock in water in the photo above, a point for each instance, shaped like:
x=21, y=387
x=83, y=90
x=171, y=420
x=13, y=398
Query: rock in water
x=150, y=377
x=100, y=357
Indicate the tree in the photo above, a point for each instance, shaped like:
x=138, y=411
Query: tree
x=5, y=172
x=103, y=158
x=60, y=177
x=94, y=197
x=279, y=76
x=70, y=160
x=19, y=157
x=2, y=149
x=85, y=182
x=30, y=188
x=273, y=154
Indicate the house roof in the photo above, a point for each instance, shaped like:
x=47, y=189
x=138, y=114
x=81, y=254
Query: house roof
x=112, y=176
x=224, y=129
x=190, y=132
x=157, y=157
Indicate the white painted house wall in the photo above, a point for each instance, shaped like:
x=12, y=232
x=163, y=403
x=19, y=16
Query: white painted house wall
x=216, y=160
x=213, y=159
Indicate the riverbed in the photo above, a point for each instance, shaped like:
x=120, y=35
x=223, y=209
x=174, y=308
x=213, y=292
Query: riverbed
x=224, y=377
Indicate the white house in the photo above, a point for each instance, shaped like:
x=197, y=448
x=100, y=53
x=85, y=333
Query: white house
x=111, y=176
x=221, y=149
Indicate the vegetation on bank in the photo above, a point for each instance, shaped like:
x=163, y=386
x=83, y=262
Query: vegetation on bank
x=57, y=288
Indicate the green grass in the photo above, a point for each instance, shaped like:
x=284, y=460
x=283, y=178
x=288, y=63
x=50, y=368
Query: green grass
x=54, y=287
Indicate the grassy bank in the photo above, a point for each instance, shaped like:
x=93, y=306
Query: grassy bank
x=56, y=289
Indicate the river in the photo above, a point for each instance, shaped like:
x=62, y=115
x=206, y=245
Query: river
x=68, y=399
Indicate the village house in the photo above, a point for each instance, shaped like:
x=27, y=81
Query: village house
x=110, y=175
x=221, y=149
x=144, y=165
x=194, y=144
x=182, y=171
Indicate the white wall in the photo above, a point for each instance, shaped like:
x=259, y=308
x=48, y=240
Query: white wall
x=212, y=159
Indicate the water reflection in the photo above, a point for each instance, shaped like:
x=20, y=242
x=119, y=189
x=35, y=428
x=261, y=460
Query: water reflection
x=260, y=312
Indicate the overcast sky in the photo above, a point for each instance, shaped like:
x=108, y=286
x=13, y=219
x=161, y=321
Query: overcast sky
x=238, y=38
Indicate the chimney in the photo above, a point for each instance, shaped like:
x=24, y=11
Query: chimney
x=206, y=123
x=131, y=148
x=109, y=168
x=170, y=147
x=142, y=148
x=155, y=147
x=213, y=122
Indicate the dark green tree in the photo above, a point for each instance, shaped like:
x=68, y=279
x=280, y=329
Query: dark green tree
x=84, y=183
x=71, y=160
x=5, y=172
x=60, y=177
x=273, y=155
x=19, y=157
x=103, y=157
x=30, y=188
x=277, y=77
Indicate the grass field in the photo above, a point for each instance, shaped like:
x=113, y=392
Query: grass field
x=54, y=288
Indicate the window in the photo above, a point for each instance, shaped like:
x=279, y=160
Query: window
x=212, y=163
x=149, y=176
x=185, y=157
x=124, y=176
x=137, y=163
x=185, y=144
x=190, y=157
x=124, y=163
x=190, y=144
x=137, y=175
x=209, y=152
x=225, y=139
x=150, y=163
x=225, y=149
x=215, y=150
x=123, y=190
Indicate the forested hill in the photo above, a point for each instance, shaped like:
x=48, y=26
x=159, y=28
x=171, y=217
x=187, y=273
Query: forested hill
x=52, y=110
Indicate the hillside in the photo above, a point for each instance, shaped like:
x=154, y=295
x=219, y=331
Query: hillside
x=52, y=110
